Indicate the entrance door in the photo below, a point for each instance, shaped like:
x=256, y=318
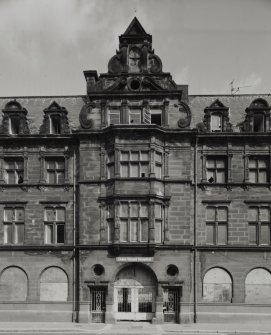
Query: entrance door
x=171, y=299
x=134, y=303
x=98, y=305
x=134, y=294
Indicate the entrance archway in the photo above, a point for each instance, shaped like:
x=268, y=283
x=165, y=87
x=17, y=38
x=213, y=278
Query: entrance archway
x=135, y=290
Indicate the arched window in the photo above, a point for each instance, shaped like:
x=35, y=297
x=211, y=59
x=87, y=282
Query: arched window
x=53, y=285
x=258, y=287
x=13, y=285
x=217, y=286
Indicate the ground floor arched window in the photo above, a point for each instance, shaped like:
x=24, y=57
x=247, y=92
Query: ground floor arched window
x=258, y=287
x=217, y=286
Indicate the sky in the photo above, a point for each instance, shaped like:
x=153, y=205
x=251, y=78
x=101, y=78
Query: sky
x=45, y=45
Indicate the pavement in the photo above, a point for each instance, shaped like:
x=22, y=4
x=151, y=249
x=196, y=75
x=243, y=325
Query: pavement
x=135, y=328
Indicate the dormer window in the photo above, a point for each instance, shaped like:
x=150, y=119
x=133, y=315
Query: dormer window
x=216, y=122
x=55, y=125
x=257, y=118
x=216, y=118
x=14, y=119
x=55, y=120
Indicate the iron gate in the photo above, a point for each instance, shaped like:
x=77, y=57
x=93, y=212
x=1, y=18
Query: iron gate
x=171, y=299
x=98, y=305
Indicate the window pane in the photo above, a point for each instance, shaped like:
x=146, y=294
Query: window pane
x=51, y=177
x=157, y=232
x=262, y=163
x=222, y=235
x=252, y=232
x=8, y=214
x=210, y=163
x=124, y=170
x=210, y=176
x=252, y=163
x=133, y=230
x=111, y=157
x=158, y=171
x=111, y=211
x=19, y=233
x=60, y=234
x=144, y=231
x=265, y=233
x=123, y=230
x=19, y=214
x=262, y=176
x=124, y=156
x=210, y=214
x=48, y=234
x=114, y=117
x=60, y=214
x=111, y=171
x=8, y=233
x=51, y=164
x=158, y=157
x=253, y=214
x=134, y=209
x=60, y=177
x=264, y=214
x=252, y=176
x=158, y=211
x=11, y=177
x=210, y=233
x=134, y=170
x=144, y=155
x=10, y=164
x=19, y=165
x=220, y=176
x=60, y=164
x=144, y=170
x=144, y=210
x=110, y=231
x=49, y=214
x=124, y=210
x=220, y=163
x=222, y=214
x=216, y=122
x=135, y=116
x=135, y=156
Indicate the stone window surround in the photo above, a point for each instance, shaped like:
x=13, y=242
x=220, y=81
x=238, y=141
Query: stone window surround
x=14, y=206
x=215, y=154
x=124, y=106
x=216, y=223
x=151, y=149
x=22, y=155
x=55, y=222
x=266, y=156
x=151, y=219
x=53, y=155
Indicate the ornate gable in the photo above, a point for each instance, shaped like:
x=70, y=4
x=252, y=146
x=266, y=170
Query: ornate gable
x=135, y=67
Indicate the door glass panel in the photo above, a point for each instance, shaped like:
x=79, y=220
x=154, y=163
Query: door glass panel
x=145, y=300
x=124, y=300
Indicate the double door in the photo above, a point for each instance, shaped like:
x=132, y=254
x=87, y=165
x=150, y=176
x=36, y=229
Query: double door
x=134, y=303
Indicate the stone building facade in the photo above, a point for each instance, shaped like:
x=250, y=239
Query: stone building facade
x=136, y=201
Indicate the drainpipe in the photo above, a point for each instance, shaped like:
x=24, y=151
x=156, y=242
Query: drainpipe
x=195, y=228
x=74, y=304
